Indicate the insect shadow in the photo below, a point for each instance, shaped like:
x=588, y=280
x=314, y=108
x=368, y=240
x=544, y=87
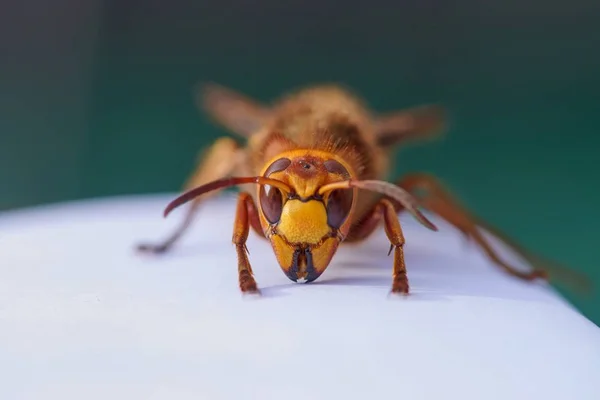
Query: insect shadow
x=367, y=267
x=435, y=277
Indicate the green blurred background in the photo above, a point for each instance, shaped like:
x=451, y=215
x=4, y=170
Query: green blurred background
x=97, y=97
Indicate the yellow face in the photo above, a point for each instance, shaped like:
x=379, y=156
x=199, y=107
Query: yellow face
x=304, y=226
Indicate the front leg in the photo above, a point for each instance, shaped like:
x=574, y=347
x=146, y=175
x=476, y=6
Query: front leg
x=384, y=210
x=243, y=218
x=393, y=230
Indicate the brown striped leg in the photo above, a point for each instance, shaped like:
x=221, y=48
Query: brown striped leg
x=253, y=218
x=384, y=210
x=216, y=163
x=438, y=200
x=394, y=233
x=241, y=228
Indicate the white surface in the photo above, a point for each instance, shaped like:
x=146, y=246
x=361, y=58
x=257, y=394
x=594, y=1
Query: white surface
x=82, y=316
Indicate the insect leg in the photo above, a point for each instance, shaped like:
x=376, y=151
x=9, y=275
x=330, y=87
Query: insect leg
x=253, y=218
x=218, y=162
x=241, y=228
x=384, y=210
x=394, y=233
x=439, y=200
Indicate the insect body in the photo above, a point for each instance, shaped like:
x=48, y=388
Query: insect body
x=311, y=177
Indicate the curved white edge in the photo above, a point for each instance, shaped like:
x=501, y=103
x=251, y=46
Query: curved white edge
x=82, y=315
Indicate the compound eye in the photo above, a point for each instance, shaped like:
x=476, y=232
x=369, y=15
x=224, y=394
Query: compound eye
x=338, y=207
x=335, y=167
x=271, y=203
x=278, y=165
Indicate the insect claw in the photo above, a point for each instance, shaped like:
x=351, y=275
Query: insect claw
x=252, y=293
x=397, y=295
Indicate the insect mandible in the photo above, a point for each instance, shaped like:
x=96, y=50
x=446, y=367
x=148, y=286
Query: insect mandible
x=311, y=177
